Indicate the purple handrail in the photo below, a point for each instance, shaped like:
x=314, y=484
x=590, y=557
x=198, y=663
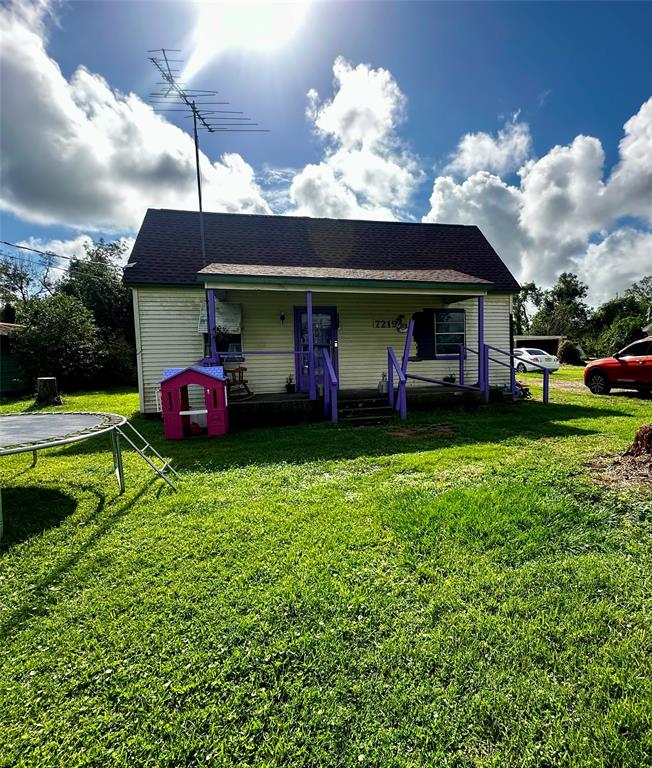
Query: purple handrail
x=512, y=356
x=330, y=387
x=401, y=400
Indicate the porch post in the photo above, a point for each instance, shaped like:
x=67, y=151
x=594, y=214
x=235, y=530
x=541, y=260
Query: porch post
x=481, y=359
x=311, y=348
x=210, y=301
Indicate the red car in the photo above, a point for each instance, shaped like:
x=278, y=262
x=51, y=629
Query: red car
x=631, y=368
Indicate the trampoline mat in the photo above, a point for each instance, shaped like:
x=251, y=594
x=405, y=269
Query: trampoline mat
x=28, y=431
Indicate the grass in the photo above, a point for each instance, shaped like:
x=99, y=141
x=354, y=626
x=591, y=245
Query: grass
x=458, y=594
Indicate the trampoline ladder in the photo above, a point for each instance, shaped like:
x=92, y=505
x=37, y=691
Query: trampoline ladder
x=161, y=470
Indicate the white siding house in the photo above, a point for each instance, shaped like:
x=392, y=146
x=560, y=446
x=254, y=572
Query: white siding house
x=365, y=300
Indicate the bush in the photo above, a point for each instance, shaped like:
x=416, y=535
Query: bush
x=619, y=334
x=60, y=339
x=119, y=361
x=568, y=352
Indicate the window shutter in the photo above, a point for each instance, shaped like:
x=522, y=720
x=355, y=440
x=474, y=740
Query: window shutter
x=424, y=334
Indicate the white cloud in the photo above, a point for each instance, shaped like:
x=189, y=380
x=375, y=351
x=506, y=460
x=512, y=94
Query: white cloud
x=612, y=265
x=80, y=154
x=563, y=214
x=501, y=154
x=485, y=200
x=366, y=171
x=74, y=247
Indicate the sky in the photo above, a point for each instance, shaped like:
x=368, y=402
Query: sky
x=531, y=120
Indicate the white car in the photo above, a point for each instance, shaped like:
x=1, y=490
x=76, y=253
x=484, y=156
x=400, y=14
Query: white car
x=529, y=355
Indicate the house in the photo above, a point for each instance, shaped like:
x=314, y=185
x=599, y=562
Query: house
x=429, y=290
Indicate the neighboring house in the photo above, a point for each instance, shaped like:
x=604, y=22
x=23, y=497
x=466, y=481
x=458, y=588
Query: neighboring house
x=363, y=281
x=12, y=381
x=549, y=344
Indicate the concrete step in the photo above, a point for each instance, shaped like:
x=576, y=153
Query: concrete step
x=366, y=420
x=348, y=409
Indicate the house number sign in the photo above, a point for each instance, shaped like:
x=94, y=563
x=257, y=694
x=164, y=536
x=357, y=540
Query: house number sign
x=398, y=323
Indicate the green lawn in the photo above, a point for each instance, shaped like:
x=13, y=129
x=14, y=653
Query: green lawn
x=460, y=593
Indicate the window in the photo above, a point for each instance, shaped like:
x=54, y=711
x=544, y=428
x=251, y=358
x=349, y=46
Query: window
x=439, y=333
x=637, y=350
x=449, y=331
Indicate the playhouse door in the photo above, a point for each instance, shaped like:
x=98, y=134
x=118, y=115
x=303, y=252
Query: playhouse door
x=324, y=324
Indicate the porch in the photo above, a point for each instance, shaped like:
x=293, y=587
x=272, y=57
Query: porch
x=359, y=407
x=333, y=339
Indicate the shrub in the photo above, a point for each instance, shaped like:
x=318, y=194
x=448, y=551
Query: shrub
x=619, y=334
x=568, y=352
x=60, y=339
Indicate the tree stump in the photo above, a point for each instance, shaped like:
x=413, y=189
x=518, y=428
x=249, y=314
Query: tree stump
x=642, y=445
x=47, y=392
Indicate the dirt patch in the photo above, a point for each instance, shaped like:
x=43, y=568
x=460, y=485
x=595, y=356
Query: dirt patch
x=422, y=431
x=622, y=470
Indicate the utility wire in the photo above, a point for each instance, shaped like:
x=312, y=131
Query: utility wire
x=51, y=254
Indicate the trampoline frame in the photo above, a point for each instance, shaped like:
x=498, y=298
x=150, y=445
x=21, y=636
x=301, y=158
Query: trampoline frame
x=116, y=428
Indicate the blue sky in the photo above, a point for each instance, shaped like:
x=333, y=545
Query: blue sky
x=543, y=74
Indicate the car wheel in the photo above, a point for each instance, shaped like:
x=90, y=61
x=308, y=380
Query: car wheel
x=645, y=391
x=598, y=383
x=521, y=368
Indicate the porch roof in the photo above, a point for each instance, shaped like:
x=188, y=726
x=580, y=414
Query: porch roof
x=337, y=275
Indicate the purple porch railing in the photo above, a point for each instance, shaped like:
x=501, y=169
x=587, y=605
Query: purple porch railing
x=512, y=375
x=400, y=402
x=330, y=388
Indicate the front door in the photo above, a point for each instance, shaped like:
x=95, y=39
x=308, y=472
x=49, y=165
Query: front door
x=324, y=325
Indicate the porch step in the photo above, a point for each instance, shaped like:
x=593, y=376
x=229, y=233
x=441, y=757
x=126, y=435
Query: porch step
x=360, y=414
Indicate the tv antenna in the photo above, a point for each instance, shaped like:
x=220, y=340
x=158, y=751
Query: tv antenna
x=173, y=96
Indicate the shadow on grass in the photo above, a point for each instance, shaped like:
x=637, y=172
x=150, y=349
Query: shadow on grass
x=40, y=596
x=30, y=511
x=324, y=441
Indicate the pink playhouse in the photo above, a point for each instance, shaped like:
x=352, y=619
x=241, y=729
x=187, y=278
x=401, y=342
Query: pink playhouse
x=180, y=419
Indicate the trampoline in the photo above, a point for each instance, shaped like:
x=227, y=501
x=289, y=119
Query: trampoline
x=32, y=432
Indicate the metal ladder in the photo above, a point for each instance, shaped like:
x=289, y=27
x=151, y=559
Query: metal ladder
x=161, y=470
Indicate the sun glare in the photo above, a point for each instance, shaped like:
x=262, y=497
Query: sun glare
x=241, y=25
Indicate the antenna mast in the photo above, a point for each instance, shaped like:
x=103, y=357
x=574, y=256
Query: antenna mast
x=173, y=96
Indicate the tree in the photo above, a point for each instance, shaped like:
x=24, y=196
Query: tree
x=642, y=292
x=562, y=310
x=528, y=295
x=21, y=278
x=96, y=282
x=620, y=320
x=619, y=334
x=60, y=339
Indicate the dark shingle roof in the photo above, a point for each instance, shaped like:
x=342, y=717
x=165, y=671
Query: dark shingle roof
x=167, y=250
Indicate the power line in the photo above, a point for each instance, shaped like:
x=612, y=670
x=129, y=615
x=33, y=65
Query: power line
x=50, y=253
x=94, y=278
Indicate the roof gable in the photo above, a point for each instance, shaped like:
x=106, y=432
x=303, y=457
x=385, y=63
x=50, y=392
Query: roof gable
x=167, y=250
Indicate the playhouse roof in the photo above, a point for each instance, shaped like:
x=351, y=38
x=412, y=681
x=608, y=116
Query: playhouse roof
x=212, y=371
x=167, y=250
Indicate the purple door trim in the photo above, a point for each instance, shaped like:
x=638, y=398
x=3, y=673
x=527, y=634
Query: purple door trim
x=302, y=381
